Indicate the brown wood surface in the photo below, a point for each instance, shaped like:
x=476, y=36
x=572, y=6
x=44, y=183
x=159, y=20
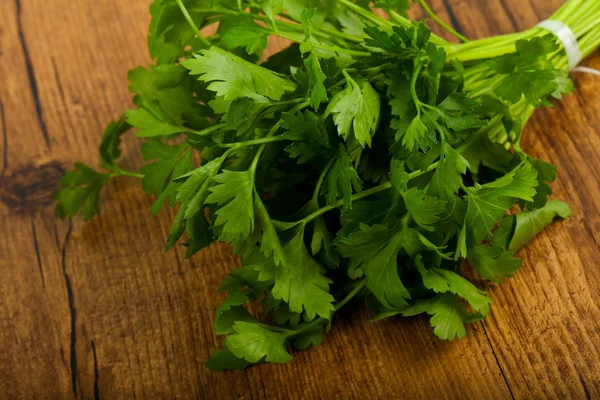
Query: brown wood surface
x=97, y=310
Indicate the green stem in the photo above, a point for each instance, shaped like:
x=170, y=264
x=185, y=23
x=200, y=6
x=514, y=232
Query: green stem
x=367, y=14
x=440, y=22
x=322, y=179
x=191, y=22
x=322, y=32
x=254, y=142
x=334, y=49
x=122, y=172
x=351, y=295
x=274, y=129
x=413, y=85
x=359, y=196
x=210, y=130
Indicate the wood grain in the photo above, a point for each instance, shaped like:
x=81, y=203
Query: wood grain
x=97, y=310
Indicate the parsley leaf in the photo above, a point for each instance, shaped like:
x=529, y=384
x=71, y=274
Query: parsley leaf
x=254, y=343
x=79, y=191
x=234, y=194
x=488, y=203
x=242, y=32
x=341, y=180
x=316, y=90
x=232, y=77
x=493, y=263
x=356, y=111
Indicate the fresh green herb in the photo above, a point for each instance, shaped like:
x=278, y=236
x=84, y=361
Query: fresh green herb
x=368, y=159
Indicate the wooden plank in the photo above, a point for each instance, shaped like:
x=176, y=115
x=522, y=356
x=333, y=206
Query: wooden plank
x=98, y=310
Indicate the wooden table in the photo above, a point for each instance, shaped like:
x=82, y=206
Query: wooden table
x=97, y=310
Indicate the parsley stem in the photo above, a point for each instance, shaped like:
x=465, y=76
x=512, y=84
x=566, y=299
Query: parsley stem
x=210, y=130
x=334, y=49
x=191, y=22
x=413, y=88
x=359, y=196
x=322, y=32
x=352, y=294
x=440, y=22
x=367, y=14
x=254, y=142
x=122, y=172
x=322, y=179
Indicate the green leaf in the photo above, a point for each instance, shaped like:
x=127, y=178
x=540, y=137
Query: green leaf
x=166, y=92
x=546, y=173
x=400, y=6
x=200, y=235
x=363, y=245
x=110, y=146
x=415, y=133
x=351, y=24
x=192, y=194
x=316, y=90
x=231, y=311
x=308, y=133
x=271, y=8
x=375, y=251
x=425, y=210
x=493, y=263
x=356, y=111
x=447, y=178
x=255, y=343
x=530, y=223
x=529, y=71
x=442, y=281
x=235, y=196
x=398, y=176
x=224, y=359
x=232, y=77
x=270, y=245
x=169, y=31
x=171, y=161
x=341, y=180
x=79, y=192
x=492, y=155
x=299, y=280
x=448, y=317
x=150, y=126
x=247, y=278
x=242, y=31
x=295, y=9
x=488, y=203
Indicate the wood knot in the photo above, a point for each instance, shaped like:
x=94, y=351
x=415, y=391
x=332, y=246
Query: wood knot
x=31, y=188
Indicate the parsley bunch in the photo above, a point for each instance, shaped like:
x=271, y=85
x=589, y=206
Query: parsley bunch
x=367, y=159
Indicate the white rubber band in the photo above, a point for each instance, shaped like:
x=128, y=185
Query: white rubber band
x=587, y=70
x=568, y=39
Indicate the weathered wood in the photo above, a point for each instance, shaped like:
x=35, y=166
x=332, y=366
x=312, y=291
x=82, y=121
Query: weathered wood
x=97, y=310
